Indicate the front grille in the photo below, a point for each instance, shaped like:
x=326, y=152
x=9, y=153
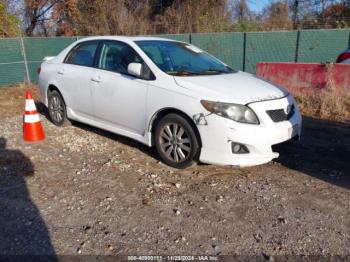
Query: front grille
x=279, y=115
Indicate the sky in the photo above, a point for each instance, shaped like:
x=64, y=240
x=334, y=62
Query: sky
x=258, y=5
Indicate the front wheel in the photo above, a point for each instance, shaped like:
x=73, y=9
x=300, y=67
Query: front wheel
x=176, y=141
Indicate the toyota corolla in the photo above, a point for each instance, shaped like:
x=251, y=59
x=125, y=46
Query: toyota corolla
x=172, y=95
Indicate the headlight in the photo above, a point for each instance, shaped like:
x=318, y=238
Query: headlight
x=238, y=113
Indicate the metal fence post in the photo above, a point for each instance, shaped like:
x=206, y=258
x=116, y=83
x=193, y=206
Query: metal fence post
x=25, y=61
x=190, y=38
x=244, y=49
x=296, y=58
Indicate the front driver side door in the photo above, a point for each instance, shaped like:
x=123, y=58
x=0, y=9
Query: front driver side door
x=119, y=99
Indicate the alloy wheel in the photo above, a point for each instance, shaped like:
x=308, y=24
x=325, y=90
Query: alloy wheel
x=175, y=142
x=57, y=109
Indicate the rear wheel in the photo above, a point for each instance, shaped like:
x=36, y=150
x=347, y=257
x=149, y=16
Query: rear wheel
x=176, y=141
x=57, y=109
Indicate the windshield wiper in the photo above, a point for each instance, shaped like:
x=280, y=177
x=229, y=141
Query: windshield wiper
x=191, y=73
x=217, y=71
x=182, y=73
x=211, y=72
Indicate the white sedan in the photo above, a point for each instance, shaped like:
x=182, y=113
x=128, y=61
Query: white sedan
x=171, y=95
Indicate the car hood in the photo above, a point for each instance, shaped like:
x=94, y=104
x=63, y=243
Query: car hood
x=240, y=87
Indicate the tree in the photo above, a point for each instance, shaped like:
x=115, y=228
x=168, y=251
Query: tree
x=64, y=17
x=337, y=15
x=94, y=17
x=296, y=12
x=37, y=12
x=277, y=17
x=241, y=10
x=158, y=7
x=133, y=17
x=195, y=16
x=244, y=19
x=9, y=24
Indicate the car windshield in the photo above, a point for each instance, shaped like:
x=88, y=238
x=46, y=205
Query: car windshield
x=181, y=59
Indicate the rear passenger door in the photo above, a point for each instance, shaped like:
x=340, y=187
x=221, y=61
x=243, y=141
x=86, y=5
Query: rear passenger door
x=76, y=78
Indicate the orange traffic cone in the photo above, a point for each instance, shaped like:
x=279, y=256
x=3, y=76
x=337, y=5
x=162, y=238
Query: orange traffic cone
x=32, y=128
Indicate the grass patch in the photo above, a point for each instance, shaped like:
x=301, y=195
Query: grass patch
x=331, y=103
x=12, y=99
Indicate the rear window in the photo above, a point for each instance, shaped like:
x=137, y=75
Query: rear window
x=83, y=54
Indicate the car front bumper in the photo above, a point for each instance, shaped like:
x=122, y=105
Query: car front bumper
x=219, y=133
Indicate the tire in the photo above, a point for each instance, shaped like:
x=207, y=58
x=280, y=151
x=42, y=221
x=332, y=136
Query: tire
x=176, y=141
x=57, y=109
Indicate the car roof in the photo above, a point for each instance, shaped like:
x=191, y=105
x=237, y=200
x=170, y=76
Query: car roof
x=124, y=38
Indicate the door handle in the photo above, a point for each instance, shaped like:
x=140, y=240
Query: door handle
x=96, y=79
x=60, y=72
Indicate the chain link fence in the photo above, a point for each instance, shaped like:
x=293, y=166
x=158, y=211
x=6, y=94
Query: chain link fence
x=20, y=57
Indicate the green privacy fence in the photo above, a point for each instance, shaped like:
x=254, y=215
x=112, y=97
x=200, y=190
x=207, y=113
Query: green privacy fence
x=20, y=57
x=323, y=45
x=226, y=46
x=37, y=48
x=11, y=62
x=271, y=47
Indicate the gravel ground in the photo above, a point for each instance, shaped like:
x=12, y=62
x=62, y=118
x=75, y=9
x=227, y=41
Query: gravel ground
x=87, y=191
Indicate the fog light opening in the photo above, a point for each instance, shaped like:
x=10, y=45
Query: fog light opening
x=239, y=148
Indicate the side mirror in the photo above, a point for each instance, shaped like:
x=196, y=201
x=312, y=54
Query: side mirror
x=135, y=69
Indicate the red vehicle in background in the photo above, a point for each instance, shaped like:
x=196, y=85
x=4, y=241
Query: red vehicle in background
x=344, y=57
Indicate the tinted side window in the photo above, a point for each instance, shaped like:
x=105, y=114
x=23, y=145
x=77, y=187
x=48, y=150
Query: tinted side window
x=83, y=54
x=116, y=56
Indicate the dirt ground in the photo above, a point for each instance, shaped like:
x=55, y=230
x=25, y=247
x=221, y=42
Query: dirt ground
x=87, y=191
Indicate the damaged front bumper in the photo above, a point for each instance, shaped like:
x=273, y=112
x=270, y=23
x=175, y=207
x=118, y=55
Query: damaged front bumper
x=220, y=134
